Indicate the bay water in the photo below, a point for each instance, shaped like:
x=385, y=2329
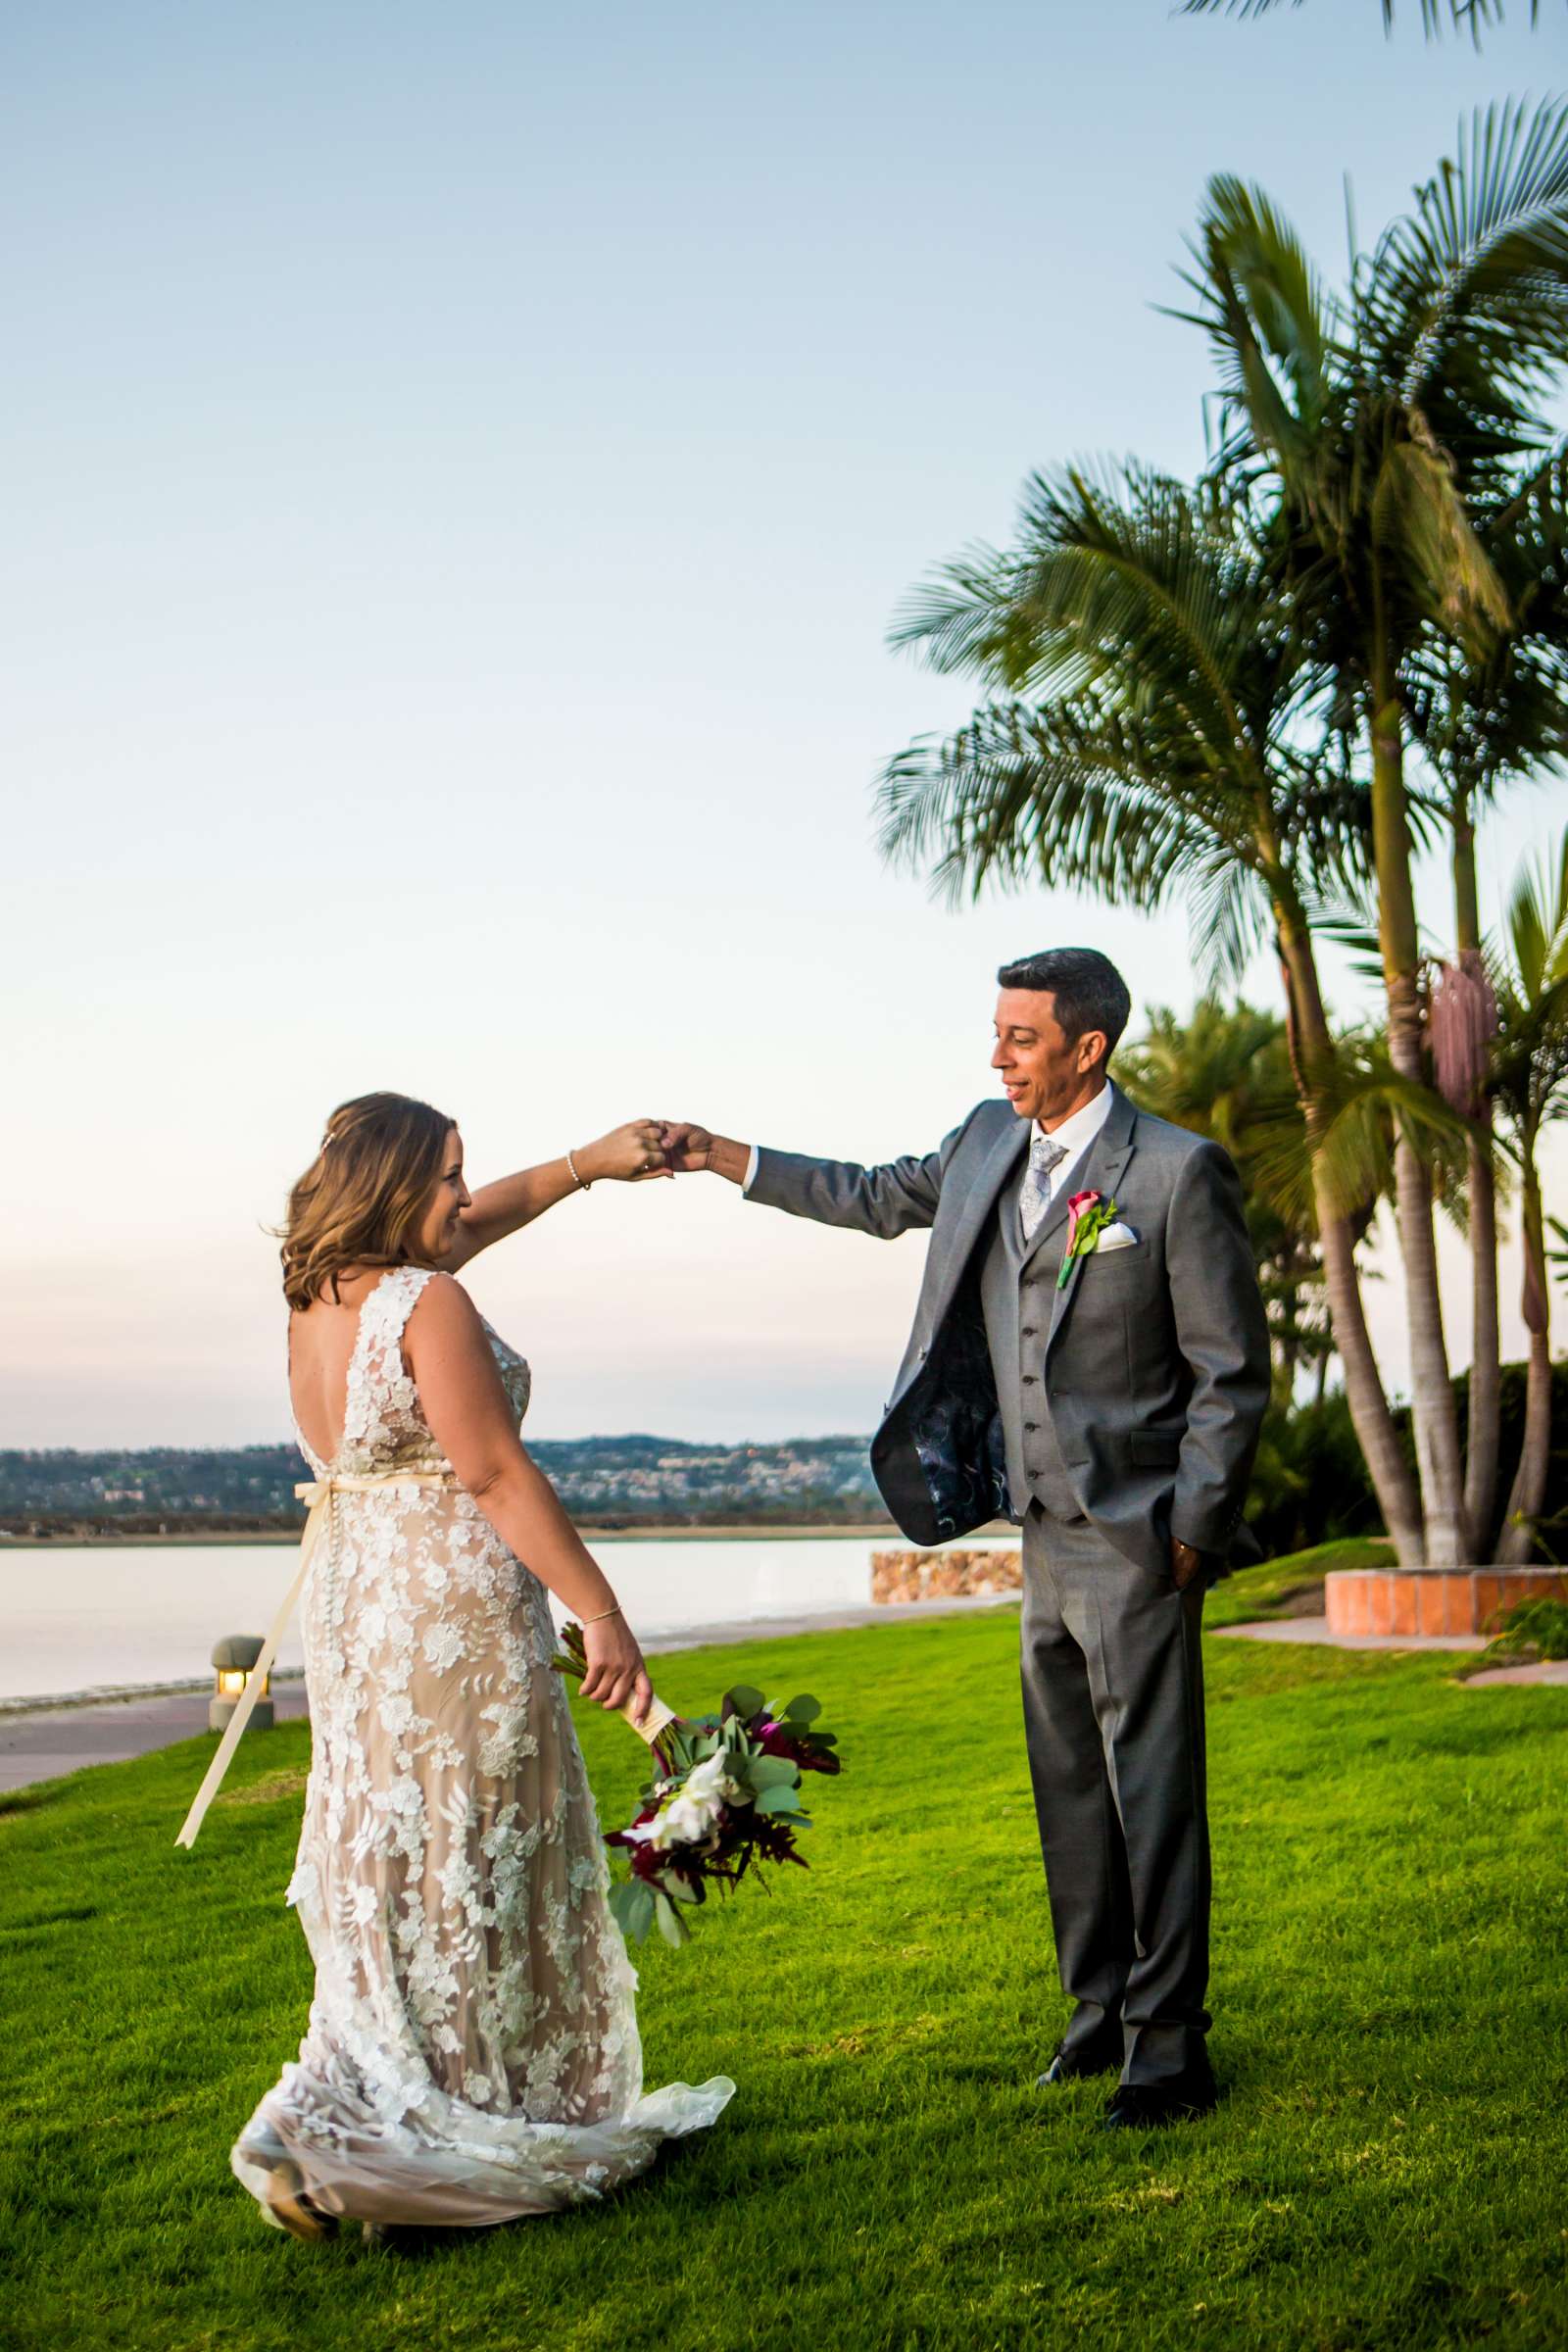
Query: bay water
x=80, y=1619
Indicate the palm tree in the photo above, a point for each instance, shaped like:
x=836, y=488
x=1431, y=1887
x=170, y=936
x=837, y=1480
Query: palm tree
x=1533, y=1091
x=1487, y=724
x=1172, y=737
x=1384, y=436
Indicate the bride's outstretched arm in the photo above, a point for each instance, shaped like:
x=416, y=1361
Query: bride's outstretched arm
x=630, y=1154
x=474, y=1424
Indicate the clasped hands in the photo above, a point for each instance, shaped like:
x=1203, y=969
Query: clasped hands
x=644, y=1150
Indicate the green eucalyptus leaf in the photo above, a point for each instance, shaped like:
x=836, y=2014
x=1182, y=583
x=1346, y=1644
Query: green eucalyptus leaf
x=632, y=1906
x=779, y=1800
x=744, y=1701
x=805, y=1710
x=671, y=1925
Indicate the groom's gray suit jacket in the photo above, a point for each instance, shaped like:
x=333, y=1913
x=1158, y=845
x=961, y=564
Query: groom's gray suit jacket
x=1139, y=1386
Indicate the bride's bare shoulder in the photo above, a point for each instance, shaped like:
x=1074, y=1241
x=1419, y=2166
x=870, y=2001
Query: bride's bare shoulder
x=444, y=1314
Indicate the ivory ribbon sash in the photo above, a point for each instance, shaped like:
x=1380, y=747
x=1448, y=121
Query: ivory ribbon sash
x=320, y=1494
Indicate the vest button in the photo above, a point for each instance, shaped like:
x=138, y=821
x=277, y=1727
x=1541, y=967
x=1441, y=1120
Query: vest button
x=1030, y=1332
x=1030, y=1427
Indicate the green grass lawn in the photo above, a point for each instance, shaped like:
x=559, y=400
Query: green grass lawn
x=1293, y=1585
x=1386, y=2169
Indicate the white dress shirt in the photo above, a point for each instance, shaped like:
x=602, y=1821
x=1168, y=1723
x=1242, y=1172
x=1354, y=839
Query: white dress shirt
x=1074, y=1136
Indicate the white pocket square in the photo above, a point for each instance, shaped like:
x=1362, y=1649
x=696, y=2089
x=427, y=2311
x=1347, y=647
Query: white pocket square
x=1114, y=1237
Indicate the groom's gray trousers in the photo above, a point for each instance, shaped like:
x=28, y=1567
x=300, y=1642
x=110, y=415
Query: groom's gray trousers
x=1113, y=1718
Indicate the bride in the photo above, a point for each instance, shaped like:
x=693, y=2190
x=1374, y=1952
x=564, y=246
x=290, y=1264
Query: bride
x=473, y=2052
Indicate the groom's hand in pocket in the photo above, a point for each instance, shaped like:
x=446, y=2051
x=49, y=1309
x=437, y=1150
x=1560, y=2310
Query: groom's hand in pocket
x=1186, y=1564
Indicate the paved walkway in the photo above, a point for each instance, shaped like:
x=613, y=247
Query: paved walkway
x=1317, y=1628
x=1548, y=1670
x=42, y=1743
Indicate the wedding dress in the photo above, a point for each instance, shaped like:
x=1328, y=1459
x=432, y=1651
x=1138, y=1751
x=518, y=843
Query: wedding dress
x=472, y=2051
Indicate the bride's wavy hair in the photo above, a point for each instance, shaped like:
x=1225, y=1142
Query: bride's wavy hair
x=359, y=1201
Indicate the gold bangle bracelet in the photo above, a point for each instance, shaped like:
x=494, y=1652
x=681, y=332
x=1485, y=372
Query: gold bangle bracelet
x=603, y=1614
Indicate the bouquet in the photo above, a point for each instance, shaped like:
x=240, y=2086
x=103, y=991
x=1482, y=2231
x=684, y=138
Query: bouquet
x=725, y=1798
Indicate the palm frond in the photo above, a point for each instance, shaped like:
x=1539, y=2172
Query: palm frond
x=1068, y=794
x=1537, y=925
x=1467, y=294
x=1109, y=578
x=1229, y=910
x=1416, y=510
x=1270, y=321
x=1557, y=1258
x=1361, y=1101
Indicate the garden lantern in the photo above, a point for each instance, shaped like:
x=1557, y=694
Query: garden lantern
x=234, y=1658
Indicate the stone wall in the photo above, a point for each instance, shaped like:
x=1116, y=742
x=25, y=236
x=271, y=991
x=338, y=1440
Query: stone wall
x=942, y=1575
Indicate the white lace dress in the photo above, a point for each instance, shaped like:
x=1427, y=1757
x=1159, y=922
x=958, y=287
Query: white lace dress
x=472, y=2051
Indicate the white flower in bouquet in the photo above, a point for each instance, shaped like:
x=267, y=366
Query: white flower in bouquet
x=692, y=1814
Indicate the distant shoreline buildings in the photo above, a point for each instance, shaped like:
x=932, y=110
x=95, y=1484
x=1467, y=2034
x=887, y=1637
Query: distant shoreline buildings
x=634, y=1481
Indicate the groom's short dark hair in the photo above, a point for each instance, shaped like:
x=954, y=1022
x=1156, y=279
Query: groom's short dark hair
x=1089, y=990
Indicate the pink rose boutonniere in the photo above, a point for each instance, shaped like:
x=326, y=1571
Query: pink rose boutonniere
x=1087, y=1216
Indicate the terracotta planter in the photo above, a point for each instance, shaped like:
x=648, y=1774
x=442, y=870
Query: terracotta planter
x=1422, y=1601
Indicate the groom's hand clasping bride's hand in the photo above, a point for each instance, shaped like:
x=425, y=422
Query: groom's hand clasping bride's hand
x=689, y=1149
x=628, y=1155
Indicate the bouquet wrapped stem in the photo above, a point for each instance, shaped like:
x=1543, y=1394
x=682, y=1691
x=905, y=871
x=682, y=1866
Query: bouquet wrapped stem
x=571, y=1658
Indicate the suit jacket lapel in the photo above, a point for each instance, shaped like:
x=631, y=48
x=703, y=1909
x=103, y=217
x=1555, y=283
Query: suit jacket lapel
x=981, y=1196
x=1107, y=1157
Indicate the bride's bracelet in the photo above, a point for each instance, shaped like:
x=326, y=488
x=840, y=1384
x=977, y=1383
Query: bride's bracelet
x=584, y=1184
x=603, y=1614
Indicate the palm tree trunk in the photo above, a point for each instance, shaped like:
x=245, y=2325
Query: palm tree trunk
x=1529, y=1491
x=1484, y=1411
x=1485, y=1351
x=1432, y=1406
x=1312, y=1050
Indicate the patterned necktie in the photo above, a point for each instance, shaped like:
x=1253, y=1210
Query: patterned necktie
x=1034, y=1197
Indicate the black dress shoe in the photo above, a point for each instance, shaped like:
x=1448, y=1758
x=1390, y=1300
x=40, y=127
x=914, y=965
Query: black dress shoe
x=1145, y=2106
x=1072, y=2066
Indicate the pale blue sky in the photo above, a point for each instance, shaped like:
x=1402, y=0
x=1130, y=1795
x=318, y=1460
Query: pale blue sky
x=459, y=469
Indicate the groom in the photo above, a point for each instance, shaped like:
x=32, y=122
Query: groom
x=1090, y=1355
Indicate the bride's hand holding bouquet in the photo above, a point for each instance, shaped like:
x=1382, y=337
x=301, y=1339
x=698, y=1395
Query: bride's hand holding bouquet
x=613, y=1674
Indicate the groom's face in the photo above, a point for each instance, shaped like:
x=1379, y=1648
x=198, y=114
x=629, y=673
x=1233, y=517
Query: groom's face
x=1045, y=1072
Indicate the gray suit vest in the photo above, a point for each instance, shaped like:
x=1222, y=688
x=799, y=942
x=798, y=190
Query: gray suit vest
x=1017, y=1292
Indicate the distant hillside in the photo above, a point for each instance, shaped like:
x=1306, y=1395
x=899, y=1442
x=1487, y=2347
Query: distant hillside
x=628, y=1481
